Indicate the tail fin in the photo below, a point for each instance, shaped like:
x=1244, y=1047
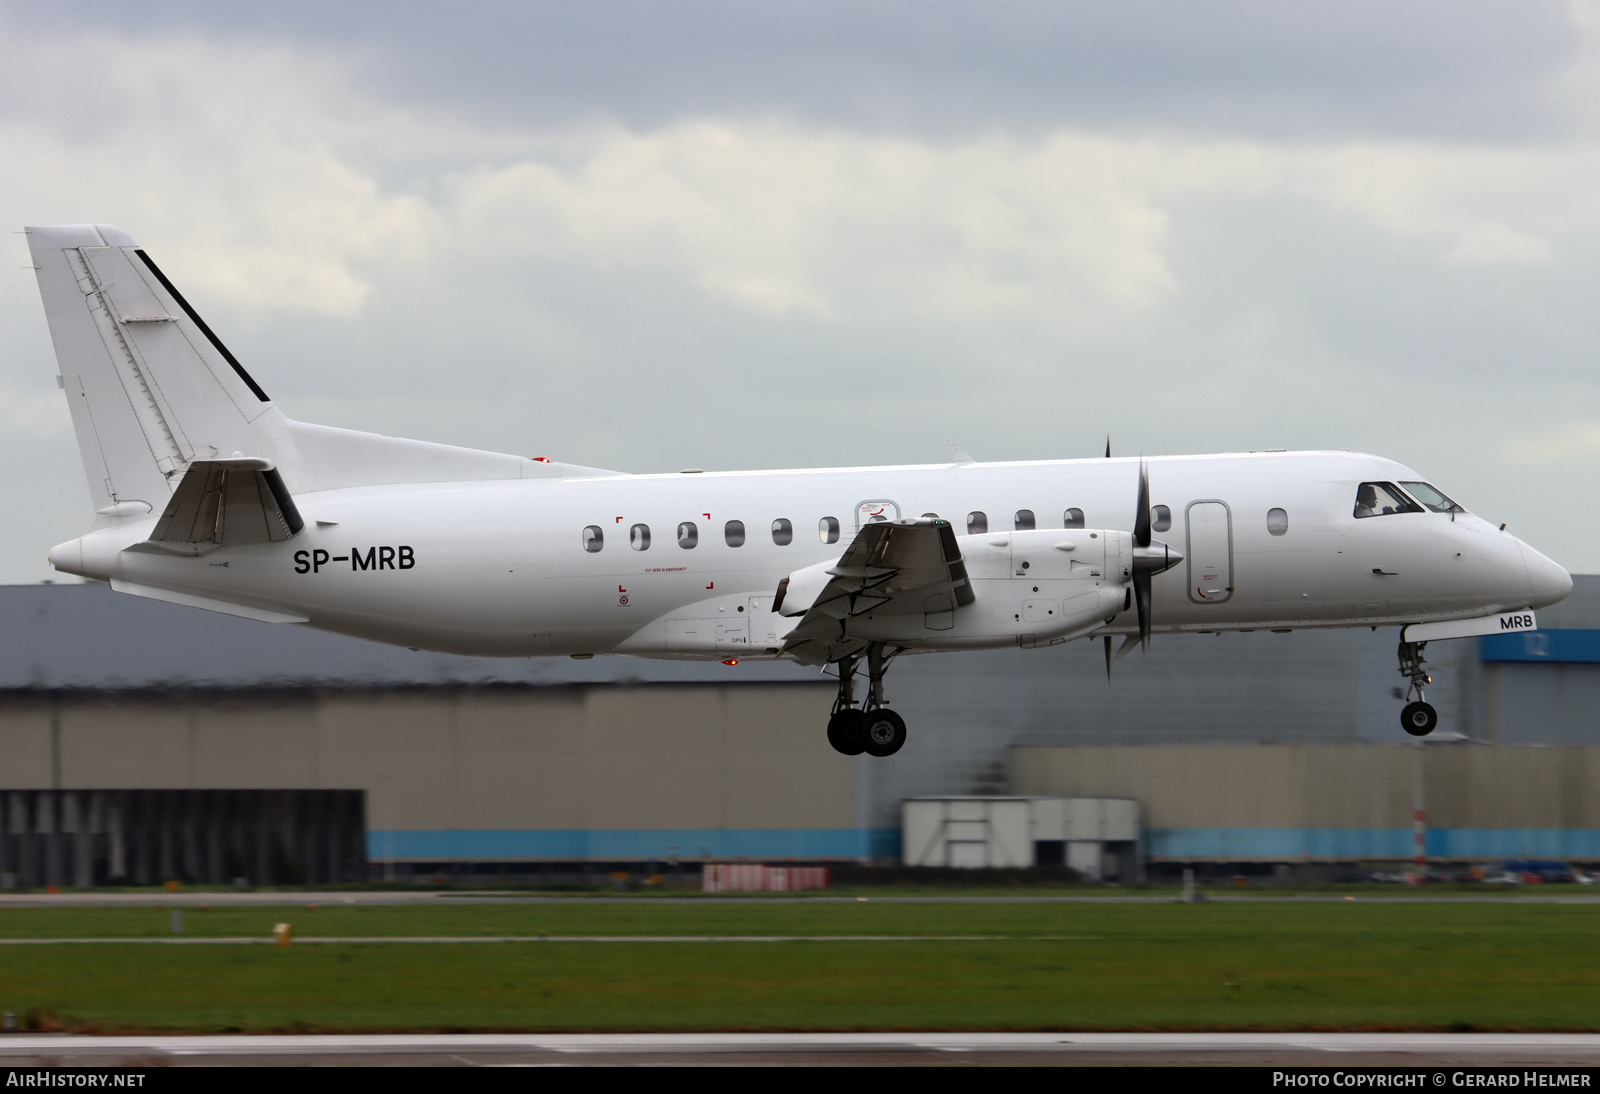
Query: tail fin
x=150, y=386
x=153, y=392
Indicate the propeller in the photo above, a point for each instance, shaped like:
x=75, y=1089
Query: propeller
x=1107, y=638
x=1141, y=539
x=1150, y=557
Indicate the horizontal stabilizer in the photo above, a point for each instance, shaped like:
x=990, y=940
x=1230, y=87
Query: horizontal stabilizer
x=243, y=611
x=225, y=503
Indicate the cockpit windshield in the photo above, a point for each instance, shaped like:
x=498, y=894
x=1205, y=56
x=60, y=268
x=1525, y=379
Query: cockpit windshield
x=1430, y=497
x=1380, y=499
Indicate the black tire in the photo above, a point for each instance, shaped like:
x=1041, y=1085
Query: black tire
x=1419, y=719
x=847, y=732
x=884, y=732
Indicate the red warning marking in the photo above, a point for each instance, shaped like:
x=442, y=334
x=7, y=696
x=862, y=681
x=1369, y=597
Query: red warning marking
x=713, y=585
x=620, y=589
x=622, y=600
x=706, y=515
x=619, y=520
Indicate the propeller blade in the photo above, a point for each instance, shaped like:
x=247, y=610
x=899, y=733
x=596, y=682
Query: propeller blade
x=1141, y=517
x=1128, y=643
x=1141, y=598
x=1108, y=446
x=1107, y=640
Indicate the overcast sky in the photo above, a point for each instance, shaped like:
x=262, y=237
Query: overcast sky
x=659, y=235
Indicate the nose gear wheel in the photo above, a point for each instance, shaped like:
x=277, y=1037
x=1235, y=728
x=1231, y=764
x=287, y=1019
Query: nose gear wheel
x=1418, y=718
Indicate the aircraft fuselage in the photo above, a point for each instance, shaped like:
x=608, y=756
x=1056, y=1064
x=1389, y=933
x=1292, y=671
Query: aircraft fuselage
x=510, y=568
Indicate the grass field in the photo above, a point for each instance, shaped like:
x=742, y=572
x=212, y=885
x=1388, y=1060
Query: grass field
x=1341, y=965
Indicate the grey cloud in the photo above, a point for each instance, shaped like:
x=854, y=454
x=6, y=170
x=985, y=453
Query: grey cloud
x=1435, y=68
x=1296, y=293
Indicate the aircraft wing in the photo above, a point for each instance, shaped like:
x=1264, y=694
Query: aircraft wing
x=224, y=503
x=902, y=567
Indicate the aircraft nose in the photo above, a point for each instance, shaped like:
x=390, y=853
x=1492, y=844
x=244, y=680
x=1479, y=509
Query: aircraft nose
x=1547, y=581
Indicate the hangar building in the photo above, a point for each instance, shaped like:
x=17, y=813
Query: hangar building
x=145, y=741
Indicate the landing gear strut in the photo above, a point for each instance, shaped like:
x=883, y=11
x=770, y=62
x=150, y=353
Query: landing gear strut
x=873, y=728
x=1418, y=718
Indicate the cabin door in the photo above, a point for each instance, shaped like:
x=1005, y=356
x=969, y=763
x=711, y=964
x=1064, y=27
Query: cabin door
x=1210, y=552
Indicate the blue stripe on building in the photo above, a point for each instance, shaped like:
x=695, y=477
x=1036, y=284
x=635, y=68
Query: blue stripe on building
x=1285, y=844
x=646, y=843
x=1552, y=645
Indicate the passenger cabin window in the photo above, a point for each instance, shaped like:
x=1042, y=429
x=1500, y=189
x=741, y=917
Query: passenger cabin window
x=1382, y=499
x=1430, y=497
x=688, y=534
x=639, y=537
x=1160, y=518
x=828, y=529
x=1277, y=521
x=1024, y=521
x=1072, y=518
x=782, y=532
x=593, y=538
x=733, y=533
x=977, y=523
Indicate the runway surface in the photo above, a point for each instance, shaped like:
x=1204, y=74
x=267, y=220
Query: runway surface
x=1335, y=1050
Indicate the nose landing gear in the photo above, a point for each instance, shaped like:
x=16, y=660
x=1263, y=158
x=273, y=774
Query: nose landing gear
x=1418, y=718
x=873, y=729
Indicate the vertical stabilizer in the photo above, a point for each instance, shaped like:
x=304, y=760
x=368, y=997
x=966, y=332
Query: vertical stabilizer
x=150, y=386
x=154, y=392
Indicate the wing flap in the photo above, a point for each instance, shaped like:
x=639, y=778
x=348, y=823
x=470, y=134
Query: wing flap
x=911, y=567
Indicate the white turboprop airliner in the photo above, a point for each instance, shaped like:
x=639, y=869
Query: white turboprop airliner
x=206, y=495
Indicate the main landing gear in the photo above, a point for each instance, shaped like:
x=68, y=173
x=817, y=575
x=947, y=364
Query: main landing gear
x=1418, y=718
x=874, y=729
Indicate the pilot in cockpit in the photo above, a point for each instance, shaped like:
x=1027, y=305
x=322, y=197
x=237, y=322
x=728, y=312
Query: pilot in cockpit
x=1366, y=501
